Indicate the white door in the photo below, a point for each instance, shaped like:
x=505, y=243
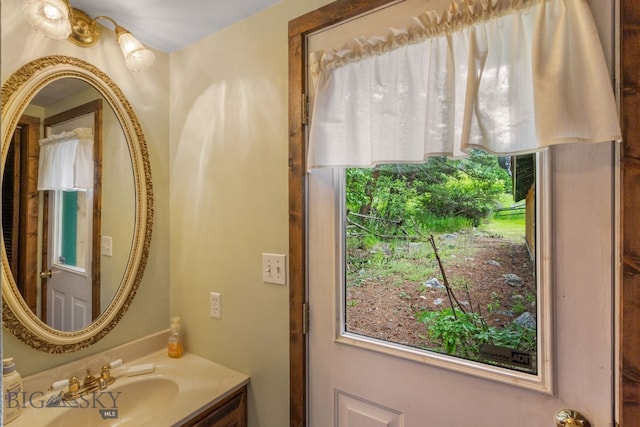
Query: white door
x=69, y=286
x=359, y=382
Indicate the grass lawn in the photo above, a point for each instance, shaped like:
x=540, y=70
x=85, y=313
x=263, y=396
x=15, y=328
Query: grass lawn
x=511, y=227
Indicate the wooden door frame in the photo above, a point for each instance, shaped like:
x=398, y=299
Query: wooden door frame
x=25, y=209
x=628, y=340
x=298, y=30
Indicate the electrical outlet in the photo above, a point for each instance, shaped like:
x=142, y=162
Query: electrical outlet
x=215, y=305
x=106, y=245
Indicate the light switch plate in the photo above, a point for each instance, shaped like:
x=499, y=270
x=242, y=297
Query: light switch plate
x=274, y=269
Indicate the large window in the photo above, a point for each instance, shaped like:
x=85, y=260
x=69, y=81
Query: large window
x=441, y=257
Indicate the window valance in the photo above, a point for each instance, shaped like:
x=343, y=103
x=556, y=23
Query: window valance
x=66, y=161
x=505, y=76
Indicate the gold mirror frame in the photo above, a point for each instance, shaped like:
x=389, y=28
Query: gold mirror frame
x=17, y=91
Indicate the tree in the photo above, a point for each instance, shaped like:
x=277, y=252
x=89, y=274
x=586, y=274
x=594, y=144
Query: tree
x=393, y=199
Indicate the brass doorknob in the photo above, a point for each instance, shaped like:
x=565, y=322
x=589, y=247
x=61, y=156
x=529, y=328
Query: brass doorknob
x=571, y=418
x=46, y=274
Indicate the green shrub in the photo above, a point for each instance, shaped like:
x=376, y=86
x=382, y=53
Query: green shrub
x=463, y=333
x=455, y=333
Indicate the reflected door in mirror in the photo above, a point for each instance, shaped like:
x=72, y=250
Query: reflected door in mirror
x=69, y=287
x=71, y=222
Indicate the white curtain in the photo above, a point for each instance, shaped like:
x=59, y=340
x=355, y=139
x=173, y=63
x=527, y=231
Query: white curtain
x=504, y=76
x=66, y=161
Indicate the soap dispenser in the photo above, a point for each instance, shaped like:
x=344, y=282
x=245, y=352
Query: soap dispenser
x=11, y=391
x=175, y=339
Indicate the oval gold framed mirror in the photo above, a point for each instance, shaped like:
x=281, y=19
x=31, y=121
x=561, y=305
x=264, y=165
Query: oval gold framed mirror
x=105, y=240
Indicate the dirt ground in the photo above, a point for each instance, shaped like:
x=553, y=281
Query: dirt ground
x=386, y=308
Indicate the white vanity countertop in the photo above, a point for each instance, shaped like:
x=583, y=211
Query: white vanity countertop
x=177, y=390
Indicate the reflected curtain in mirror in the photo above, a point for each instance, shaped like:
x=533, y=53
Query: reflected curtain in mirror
x=66, y=161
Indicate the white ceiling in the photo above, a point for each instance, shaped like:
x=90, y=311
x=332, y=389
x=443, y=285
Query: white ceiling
x=170, y=25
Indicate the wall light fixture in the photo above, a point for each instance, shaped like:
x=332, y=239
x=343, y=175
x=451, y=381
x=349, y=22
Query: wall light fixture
x=58, y=20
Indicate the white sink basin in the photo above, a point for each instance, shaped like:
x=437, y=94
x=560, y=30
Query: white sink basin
x=174, y=392
x=133, y=403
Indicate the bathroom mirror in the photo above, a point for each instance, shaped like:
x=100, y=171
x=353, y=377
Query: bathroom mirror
x=72, y=256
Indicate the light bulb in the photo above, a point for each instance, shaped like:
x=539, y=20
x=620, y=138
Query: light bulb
x=51, y=17
x=52, y=12
x=136, y=56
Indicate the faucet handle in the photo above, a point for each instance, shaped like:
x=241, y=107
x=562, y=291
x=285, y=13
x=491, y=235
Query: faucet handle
x=105, y=375
x=116, y=363
x=74, y=385
x=59, y=385
x=74, y=389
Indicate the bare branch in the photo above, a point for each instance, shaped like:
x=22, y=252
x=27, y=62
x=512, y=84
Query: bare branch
x=450, y=293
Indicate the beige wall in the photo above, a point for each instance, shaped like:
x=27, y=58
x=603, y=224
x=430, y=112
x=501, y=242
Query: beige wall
x=148, y=94
x=219, y=145
x=229, y=200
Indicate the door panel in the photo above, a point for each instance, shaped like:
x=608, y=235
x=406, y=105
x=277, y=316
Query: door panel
x=352, y=385
x=56, y=309
x=355, y=412
x=70, y=284
x=422, y=394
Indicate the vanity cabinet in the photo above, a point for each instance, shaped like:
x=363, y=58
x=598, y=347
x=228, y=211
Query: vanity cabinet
x=229, y=412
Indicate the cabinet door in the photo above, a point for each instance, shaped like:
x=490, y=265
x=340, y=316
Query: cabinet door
x=231, y=412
